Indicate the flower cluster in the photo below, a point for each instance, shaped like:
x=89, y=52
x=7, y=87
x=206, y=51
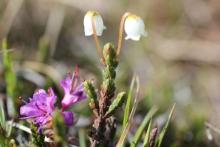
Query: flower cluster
x=39, y=110
x=133, y=25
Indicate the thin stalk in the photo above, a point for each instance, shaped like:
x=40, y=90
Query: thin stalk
x=120, y=33
x=82, y=138
x=95, y=37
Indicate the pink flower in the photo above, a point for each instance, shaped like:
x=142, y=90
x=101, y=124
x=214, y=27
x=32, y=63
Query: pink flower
x=41, y=107
x=73, y=90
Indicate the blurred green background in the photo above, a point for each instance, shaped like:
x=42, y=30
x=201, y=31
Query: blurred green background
x=179, y=61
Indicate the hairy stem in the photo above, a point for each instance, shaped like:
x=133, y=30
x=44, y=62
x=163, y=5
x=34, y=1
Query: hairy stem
x=104, y=127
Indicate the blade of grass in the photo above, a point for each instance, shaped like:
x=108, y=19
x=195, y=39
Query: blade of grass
x=20, y=127
x=2, y=115
x=163, y=132
x=128, y=102
x=126, y=129
x=9, y=129
x=10, y=76
x=142, y=127
x=2, y=126
x=147, y=136
x=82, y=138
x=43, y=49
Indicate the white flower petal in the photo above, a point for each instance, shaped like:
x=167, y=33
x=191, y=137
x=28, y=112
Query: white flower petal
x=134, y=27
x=99, y=25
x=135, y=38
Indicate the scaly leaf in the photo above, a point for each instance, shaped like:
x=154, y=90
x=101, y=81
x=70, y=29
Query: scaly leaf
x=91, y=94
x=118, y=101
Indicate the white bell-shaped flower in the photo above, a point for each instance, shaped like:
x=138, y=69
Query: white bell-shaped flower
x=98, y=23
x=134, y=27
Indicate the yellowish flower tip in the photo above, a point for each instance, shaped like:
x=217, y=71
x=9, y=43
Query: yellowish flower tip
x=133, y=17
x=99, y=25
x=92, y=13
x=134, y=27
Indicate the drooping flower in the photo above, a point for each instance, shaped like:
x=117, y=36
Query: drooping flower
x=40, y=109
x=134, y=27
x=73, y=90
x=98, y=23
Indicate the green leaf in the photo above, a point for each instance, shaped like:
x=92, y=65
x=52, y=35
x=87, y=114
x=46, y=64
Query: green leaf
x=147, y=136
x=163, y=132
x=142, y=127
x=118, y=101
x=128, y=102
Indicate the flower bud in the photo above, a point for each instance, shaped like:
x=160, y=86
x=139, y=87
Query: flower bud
x=98, y=23
x=134, y=27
